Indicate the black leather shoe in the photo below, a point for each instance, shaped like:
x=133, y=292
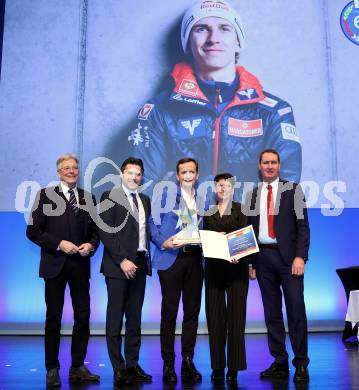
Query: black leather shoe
x=189, y=370
x=275, y=371
x=82, y=374
x=53, y=378
x=301, y=375
x=231, y=376
x=169, y=373
x=217, y=375
x=138, y=375
x=121, y=378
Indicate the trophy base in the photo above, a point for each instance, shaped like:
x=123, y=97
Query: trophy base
x=187, y=241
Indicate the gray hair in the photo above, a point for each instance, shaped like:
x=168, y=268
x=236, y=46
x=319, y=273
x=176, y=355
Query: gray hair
x=65, y=157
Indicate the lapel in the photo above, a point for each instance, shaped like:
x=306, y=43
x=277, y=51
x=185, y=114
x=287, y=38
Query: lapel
x=81, y=193
x=215, y=216
x=200, y=205
x=255, y=207
x=65, y=214
x=200, y=202
x=255, y=203
x=281, y=196
x=225, y=219
x=145, y=205
x=117, y=194
x=256, y=199
x=58, y=190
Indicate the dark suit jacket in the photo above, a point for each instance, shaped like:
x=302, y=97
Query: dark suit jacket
x=290, y=221
x=122, y=243
x=49, y=225
x=219, y=273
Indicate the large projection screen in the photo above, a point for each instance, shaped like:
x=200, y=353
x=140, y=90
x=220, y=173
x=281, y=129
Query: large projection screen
x=74, y=75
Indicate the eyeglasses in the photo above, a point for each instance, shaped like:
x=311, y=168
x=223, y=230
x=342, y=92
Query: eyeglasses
x=68, y=169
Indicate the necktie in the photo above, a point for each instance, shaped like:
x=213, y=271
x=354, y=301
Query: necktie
x=135, y=206
x=270, y=212
x=73, y=201
x=135, y=211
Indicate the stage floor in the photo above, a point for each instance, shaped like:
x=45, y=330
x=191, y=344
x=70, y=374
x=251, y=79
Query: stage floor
x=333, y=365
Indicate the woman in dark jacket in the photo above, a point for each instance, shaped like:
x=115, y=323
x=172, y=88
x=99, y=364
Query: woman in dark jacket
x=226, y=288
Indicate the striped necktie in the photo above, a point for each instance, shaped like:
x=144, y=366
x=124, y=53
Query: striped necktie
x=73, y=201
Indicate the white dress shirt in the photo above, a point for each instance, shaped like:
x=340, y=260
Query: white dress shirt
x=65, y=189
x=141, y=218
x=190, y=201
x=263, y=236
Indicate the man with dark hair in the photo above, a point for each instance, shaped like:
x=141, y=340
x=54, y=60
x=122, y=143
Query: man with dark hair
x=180, y=272
x=279, y=218
x=272, y=151
x=68, y=238
x=215, y=110
x=125, y=235
x=185, y=160
x=132, y=161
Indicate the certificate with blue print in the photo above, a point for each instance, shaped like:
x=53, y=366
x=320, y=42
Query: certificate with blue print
x=231, y=246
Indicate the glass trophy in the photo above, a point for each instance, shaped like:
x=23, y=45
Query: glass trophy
x=188, y=223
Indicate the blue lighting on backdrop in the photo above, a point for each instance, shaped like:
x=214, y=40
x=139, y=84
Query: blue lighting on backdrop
x=21, y=290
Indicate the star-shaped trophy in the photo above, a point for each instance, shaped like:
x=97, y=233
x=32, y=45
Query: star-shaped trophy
x=189, y=233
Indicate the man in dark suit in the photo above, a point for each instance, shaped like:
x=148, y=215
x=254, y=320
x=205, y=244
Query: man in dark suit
x=279, y=217
x=124, y=231
x=62, y=224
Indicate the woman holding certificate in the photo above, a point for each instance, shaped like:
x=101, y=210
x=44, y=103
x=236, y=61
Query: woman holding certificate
x=226, y=288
